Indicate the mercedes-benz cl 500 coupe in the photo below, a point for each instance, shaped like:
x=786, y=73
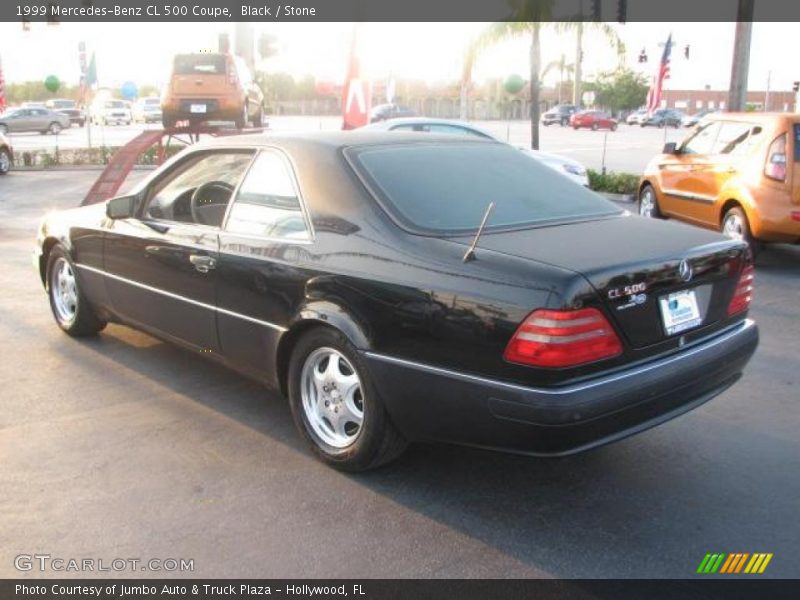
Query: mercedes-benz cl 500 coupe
x=404, y=287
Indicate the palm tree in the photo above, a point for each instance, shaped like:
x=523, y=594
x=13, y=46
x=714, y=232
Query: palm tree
x=536, y=14
x=563, y=67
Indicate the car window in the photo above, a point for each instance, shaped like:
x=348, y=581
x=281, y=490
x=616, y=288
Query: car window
x=446, y=188
x=218, y=173
x=797, y=142
x=454, y=130
x=735, y=138
x=409, y=127
x=267, y=203
x=702, y=141
x=200, y=64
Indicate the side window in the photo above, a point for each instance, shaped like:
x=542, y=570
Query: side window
x=267, y=203
x=198, y=189
x=775, y=167
x=702, y=142
x=454, y=130
x=407, y=127
x=735, y=138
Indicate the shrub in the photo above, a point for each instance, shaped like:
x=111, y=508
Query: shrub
x=613, y=183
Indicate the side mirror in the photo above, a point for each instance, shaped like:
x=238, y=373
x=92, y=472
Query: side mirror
x=123, y=207
x=670, y=148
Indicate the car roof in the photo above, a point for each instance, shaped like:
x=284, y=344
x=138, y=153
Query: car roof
x=339, y=139
x=754, y=117
x=384, y=125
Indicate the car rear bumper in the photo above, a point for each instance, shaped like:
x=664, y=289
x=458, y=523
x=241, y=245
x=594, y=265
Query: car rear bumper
x=434, y=404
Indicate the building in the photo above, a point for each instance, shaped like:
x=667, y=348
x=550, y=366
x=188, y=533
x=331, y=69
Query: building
x=692, y=101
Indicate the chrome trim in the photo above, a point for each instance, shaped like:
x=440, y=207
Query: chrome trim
x=701, y=346
x=689, y=196
x=149, y=288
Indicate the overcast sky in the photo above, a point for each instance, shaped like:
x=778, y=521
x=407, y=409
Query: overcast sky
x=140, y=52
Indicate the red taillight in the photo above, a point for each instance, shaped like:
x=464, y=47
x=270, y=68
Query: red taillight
x=743, y=293
x=563, y=338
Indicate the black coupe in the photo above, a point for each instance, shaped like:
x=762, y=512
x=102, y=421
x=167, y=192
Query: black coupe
x=404, y=287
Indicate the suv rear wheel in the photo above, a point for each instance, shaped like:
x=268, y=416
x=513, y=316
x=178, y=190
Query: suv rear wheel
x=736, y=226
x=648, y=203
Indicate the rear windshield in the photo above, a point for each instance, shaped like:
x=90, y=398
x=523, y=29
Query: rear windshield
x=115, y=104
x=446, y=188
x=197, y=64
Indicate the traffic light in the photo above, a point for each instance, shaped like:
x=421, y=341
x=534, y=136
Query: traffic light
x=796, y=86
x=643, y=56
x=686, y=51
x=622, y=10
x=596, y=10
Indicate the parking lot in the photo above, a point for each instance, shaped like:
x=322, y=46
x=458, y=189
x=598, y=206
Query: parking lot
x=628, y=149
x=124, y=446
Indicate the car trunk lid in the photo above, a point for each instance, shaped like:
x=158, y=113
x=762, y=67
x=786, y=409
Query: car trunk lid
x=640, y=269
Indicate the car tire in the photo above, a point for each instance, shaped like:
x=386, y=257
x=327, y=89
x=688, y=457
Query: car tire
x=661, y=125
x=168, y=122
x=71, y=309
x=613, y=127
x=241, y=120
x=736, y=226
x=575, y=127
x=5, y=161
x=258, y=120
x=648, y=203
x=594, y=126
x=323, y=362
x=564, y=122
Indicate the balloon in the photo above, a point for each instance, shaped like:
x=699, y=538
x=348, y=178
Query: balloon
x=52, y=83
x=513, y=84
x=129, y=90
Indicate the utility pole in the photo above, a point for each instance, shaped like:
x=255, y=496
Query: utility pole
x=576, y=88
x=737, y=93
x=766, y=95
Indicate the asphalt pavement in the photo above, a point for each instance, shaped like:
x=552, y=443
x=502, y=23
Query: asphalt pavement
x=126, y=447
x=628, y=149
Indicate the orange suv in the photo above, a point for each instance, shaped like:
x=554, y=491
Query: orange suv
x=738, y=173
x=211, y=87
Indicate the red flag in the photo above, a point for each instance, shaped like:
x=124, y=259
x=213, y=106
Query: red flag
x=654, y=95
x=356, y=92
x=2, y=89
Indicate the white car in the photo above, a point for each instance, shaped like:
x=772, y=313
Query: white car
x=111, y=112
x=566, y=166
x=636, y=118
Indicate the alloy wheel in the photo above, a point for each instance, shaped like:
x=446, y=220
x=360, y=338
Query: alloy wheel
x=5, y=162
x=647, y=203
x=332, y=397
x=64, y=291
x=733, y=226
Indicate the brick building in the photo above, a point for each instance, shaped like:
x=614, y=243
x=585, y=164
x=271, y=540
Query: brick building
x=692, y=101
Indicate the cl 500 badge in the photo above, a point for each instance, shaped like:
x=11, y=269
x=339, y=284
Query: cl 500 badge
x=627, y=290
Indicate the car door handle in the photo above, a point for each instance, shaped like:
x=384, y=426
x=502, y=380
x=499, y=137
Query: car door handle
x=202, y=262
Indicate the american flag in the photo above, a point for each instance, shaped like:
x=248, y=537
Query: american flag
x=2, y=88
x=654, y=94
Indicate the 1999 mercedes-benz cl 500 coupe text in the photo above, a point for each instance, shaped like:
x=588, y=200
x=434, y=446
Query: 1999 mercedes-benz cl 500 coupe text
x=402, y=287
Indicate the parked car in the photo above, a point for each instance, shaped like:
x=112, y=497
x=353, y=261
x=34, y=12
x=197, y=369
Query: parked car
x=664, y=117
x=636, y=117
x=559, y=114
x=69, y=108
x=147, y=110
x=399, y=287
x=211, y=87
x=566, y=166
x=692, y=120
x=6, y=155
x=593, y=119
x=110, y=112
x=737, y=173
x=19, y=120
x=383, y=112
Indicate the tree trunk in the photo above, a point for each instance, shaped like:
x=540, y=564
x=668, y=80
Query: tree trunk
x=576, y=89
x=464, y=102
x=536, y=59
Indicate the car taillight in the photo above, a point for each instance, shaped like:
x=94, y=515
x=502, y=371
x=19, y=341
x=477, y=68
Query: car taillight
x=743, y=293
x=563, y=338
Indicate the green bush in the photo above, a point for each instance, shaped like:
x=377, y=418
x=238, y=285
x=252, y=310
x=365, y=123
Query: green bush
x=613, y=183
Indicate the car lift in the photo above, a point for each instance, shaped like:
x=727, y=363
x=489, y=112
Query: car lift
x=124, y=159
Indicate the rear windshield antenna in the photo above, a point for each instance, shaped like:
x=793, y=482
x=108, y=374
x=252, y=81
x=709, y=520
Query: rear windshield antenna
x=470, y=253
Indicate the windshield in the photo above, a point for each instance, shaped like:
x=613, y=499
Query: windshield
x=445, y=188
x=197, y=64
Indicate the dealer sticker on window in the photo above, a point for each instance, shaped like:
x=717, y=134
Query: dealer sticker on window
x=680, y=312
x=197, y=108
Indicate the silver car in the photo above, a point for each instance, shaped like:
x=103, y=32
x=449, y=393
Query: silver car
x=17, y=120
x=566, y=166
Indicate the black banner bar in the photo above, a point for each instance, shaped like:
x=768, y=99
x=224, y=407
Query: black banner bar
x=734, y=588
x=392, y=10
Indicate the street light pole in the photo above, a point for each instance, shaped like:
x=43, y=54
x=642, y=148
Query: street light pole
x=737, y=93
